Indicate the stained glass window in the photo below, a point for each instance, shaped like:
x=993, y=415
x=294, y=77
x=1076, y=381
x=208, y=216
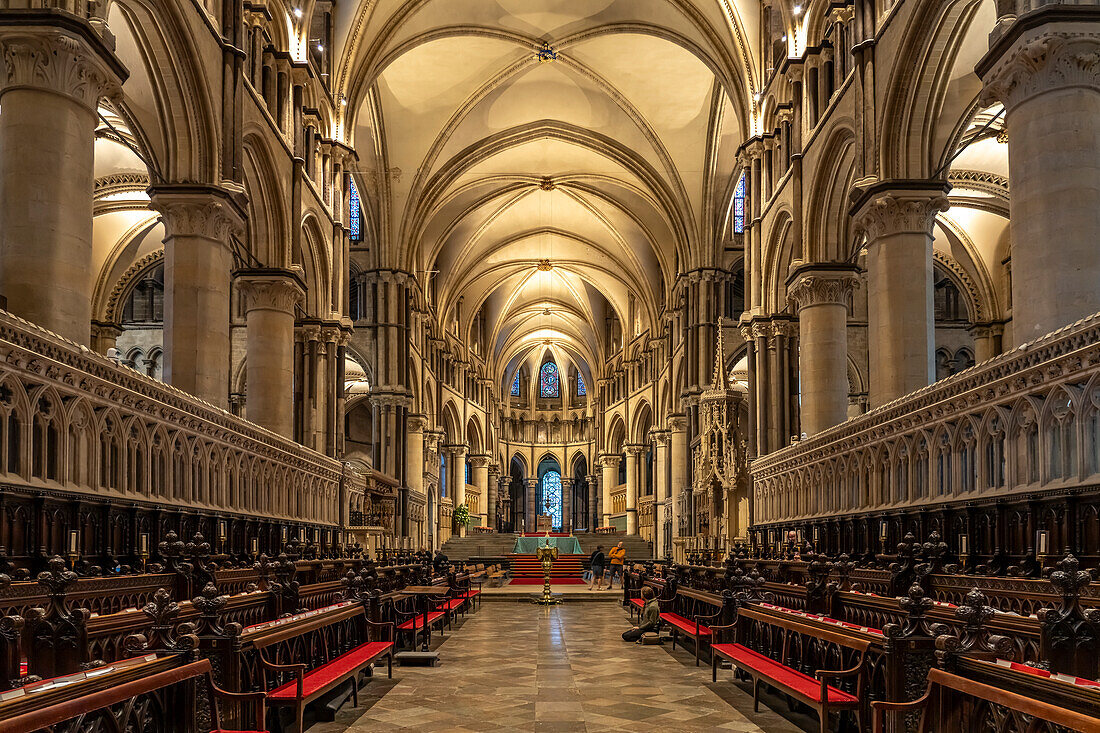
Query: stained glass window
x=739, y=206
x=356, y=215
x=581, y=391
x=551, y=492
x=515, y=386
x=549, y=382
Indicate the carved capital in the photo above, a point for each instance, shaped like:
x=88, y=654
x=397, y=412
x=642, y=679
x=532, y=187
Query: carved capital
x=197, y=211
x=1047, y=60
x=677, y=423
x=480, y=460
x=66, y=62
x=278, y=290
x=887, y=213
x=633, y=449
x=417, y=423
x=808, y=288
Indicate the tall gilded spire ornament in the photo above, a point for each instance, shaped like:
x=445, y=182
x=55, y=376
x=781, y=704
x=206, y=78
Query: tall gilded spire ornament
x=721, y=486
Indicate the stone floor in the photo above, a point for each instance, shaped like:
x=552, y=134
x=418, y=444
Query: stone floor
x=520, y=667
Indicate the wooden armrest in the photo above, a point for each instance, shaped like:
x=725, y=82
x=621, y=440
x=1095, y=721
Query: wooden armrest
x=698, y=616
x=257, y=697
x=724, y=626
x=296, y=668
x=911, y=705
x=825, y=673
x=392, y=626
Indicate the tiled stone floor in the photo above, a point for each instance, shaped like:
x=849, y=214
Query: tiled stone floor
x=519, y=667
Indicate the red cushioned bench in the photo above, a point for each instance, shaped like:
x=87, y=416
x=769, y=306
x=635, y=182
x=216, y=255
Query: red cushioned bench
x=813, y=691
x=307, y=683
x=687, y=627
x=450, y=607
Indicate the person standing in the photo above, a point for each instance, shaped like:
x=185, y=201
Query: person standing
x=618, y=557
x=651, y=616
x=596, y=562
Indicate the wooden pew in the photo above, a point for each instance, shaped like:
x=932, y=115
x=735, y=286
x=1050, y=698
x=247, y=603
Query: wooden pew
x=147, y=692
x=754, y=652
x=680, y=614
x=954, y=702
x=297, y=659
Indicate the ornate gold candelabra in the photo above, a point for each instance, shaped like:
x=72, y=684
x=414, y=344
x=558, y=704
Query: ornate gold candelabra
x=546, y=555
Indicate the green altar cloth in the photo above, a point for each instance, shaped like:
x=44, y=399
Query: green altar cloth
x=565, y=545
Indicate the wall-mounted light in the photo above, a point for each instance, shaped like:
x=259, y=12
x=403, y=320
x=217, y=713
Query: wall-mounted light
x=797, y=10
x=320, y=47
x=297, y=12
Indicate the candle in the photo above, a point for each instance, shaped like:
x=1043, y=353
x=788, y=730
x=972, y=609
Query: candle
x=143, y=543
x=221, y=529
x=255, y=545
x=882, y=530
x=74, y=540
x=283, y=533
x=964, y=545
x=1042, y=542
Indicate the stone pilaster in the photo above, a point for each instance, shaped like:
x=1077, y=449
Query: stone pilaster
x=898, y=217
x=54, y=68
x=1045, y=69
x=199, y=222
x=822, y=296
x=270, y=298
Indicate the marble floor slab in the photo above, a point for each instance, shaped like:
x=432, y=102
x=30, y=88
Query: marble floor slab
x=520, y=667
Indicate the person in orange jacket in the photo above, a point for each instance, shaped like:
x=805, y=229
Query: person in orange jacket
x=617, y=556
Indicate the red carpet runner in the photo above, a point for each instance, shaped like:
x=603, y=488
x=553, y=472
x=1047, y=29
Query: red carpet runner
x=527, y=570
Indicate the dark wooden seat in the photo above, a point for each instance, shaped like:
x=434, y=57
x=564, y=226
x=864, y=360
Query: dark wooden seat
x=692, y=624
x=308, y=682
x=814, y=691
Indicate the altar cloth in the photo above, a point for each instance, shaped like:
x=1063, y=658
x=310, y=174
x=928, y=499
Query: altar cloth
x=565, y=545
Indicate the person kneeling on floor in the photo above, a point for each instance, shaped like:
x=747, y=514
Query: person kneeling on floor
x=651, y=616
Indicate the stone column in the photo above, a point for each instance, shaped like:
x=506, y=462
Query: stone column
x=104, y=336
x=633, y=479
x=609, y=480
x=491, y=496
x=479, y=477
x=198, y=260
x=414, y=453
x=897, y=217
x=677, y=426
x=593, y=518
x=822, y=294
x=1045, y=69
x=660, y=467
x=55, y=69
x=270, y=297
x=458, y=481
x=987, y=340
x=531, y=511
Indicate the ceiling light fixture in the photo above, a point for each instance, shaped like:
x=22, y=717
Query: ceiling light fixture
x=797, y=10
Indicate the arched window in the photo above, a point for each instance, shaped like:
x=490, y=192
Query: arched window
x=355, y=213
x=515, y=386
x=581, y=391
x=146, y=302
x=551, y=493
x=549, y=381
x=739, y=206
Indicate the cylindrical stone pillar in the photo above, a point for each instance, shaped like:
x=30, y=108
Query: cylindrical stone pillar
x=609, y=480
x=633, y=480
x=52, y=82
x=414, y=454
x=270, y=297
x=593, y=517
x=821, y=295
x=532, y=511
x=897, y=217
x=458, y=481
x=491, y=497
x=199, y=222
x=479, y=477
x=660, y=467
x=1046, y=76
x=677, y=425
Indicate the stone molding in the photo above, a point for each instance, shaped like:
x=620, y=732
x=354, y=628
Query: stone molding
x=888, y=213
x=197, y=211
x=822, y=287
x=634, y=449
x=1049, y=61
x=609, y=460
x=270, y=291
x=480, y=460
x=59, y=61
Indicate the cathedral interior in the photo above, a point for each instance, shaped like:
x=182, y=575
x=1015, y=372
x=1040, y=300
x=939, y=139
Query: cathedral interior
x=315, y=306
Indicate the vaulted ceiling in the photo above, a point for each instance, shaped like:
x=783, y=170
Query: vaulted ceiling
x=542, y=164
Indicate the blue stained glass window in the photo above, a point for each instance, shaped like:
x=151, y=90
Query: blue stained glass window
x=739, y=206
x=356, y=215
x=551, y=491
x=515, y=386
x=581, y=391
x=549, y=382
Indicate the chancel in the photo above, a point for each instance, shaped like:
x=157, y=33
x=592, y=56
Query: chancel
x=756, y=341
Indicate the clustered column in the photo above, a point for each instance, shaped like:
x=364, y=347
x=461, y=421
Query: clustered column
x=897, y=217
x=660, y=467
x=633, y=479
x=199, y=223
x=593, y=518
x=52, y=81
x=1045, y=72
x=822, y=295
x=490, y=495
x=479, y=477
x=677, y=425
x=270, y=298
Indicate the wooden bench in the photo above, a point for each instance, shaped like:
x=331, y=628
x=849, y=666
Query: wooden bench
x=415, y=620
x=689, y=623
x=335, y=649
x=111, y=697
x=815, y=690
x=953, y=702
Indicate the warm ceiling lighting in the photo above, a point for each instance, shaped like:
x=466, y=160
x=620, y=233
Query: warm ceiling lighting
x=297, y=12
x=797, y=10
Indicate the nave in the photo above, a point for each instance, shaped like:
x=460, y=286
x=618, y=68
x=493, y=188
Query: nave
x=520, y=667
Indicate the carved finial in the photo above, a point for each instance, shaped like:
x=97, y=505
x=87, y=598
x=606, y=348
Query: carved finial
x=720, y=379
x=162, y=610
x=973, y=639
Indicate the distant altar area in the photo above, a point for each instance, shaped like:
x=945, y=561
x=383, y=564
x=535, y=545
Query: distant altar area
x=566, y=544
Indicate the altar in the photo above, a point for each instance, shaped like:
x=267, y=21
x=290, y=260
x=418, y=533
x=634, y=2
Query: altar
x=565, y=545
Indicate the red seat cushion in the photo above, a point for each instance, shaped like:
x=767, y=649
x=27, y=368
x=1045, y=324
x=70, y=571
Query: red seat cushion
x=637, y=602
x=222, y=730
x=470, y=593
x=684, y=624
x=433, y=616
x=767, y=667
x=338, y=668
x=451, y=604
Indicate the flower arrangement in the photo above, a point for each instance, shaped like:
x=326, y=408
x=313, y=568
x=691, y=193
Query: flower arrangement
x=462, y=515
